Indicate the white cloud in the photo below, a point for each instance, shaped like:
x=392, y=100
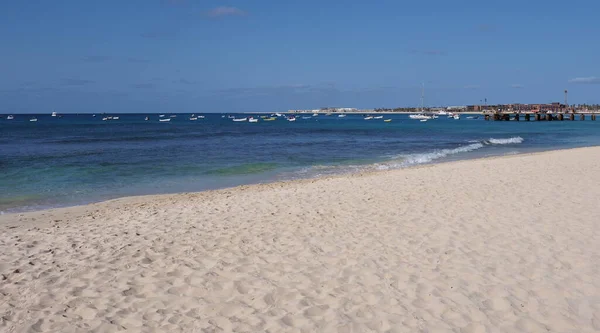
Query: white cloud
x=225, y=11
x=586, y=80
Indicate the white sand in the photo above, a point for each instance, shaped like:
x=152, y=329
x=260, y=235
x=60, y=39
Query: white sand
x=497, y=245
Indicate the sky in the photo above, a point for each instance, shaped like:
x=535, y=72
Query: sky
x=253, y=55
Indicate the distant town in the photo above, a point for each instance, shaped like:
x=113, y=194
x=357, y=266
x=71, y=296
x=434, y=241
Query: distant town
x=555, y=107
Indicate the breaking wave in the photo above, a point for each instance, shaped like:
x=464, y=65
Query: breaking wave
x=406, y=160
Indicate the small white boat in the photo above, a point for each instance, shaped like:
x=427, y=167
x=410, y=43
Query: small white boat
x=341, y=116
x=456, y=117
x=10, y=117
x=378, y=117
x=173, y=116
x=115, y=118
x=368, y=118
x=147, y=118
x=239, y=119
x=252, y=120
x=231, y=117
x=279, y=115
x=54, y=114
x=291, y=119
x=105, y=119
x=164, y=120
x=387, y=120
x=193, y=118
x=423, y=120
x=201, y=117
x=162, y=115
x=315, y=114
x=94, y=115
x=306, y=117
x=33, y=119
x=419, y=116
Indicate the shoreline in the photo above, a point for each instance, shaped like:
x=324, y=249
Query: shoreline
x=262, y=185
x=500, y=244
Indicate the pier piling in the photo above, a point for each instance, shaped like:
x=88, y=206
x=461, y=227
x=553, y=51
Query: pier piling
x=561, y=116
x=537, y=117
x=572, y=117
x=548, y=117
x=582, y=117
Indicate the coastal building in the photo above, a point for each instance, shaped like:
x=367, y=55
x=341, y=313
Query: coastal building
x=518, y=107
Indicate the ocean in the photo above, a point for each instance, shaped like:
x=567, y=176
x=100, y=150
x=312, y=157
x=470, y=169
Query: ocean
x=78, y=159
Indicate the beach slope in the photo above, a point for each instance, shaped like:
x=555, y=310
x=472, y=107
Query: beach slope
x=507, y=244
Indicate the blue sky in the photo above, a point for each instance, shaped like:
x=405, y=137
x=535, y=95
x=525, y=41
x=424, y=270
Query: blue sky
x=227, y=56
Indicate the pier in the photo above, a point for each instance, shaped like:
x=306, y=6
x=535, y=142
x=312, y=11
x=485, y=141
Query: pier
x=537, y=116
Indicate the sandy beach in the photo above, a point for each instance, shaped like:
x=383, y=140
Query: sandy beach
x=507, y=244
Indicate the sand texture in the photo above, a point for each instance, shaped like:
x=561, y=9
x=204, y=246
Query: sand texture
x=506, y=244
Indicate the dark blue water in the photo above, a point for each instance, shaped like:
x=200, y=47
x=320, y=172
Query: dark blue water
x=79, y=159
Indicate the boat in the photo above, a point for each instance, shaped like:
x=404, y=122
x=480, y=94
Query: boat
x=239, y=119
x=368, y=118
x=252, y=120
x=33, y=119
x=94, y=115
x=162, y=115
x=147, y=118
x=423, y=120
x=193, y=118
x=264, y=117
x=341, y=115
x=164, y=120
x=10, y=117
x=421, y=116
x=54, y=114
x=378, y=117
x=278, y=114
x=270, y=119
x=200, y=117
x=115, y=118
x=105, y=119
x=231, y=117
x=387, y=120
x=442, y=113
x=315, y=114
x=173, y=116
x=328, y=114
x=456, y=117
x=306, y=117
x=291, y=119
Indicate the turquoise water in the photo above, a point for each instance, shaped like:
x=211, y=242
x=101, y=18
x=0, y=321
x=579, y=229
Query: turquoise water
x=79, y=159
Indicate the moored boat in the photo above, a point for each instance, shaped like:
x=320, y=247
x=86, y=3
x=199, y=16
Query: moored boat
x=164, y=120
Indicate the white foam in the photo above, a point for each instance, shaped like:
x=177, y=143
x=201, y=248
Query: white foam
x=516, y=139
x=403, y=161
